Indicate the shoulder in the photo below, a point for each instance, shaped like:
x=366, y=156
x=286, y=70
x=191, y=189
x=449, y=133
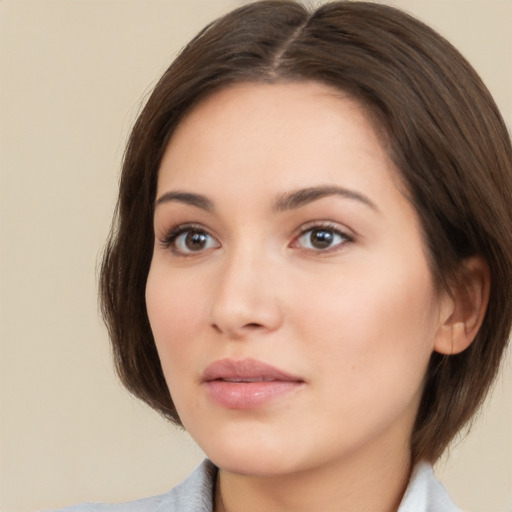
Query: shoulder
x=425, y=493
x=195, y=494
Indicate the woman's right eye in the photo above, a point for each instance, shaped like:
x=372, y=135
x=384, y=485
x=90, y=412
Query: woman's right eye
x=188, y=241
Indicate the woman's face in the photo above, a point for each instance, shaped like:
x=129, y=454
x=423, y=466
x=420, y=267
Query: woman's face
x=289, y=294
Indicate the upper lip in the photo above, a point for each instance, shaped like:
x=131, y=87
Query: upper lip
x=246, y=370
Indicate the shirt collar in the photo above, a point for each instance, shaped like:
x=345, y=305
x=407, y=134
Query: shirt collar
x=423, y=494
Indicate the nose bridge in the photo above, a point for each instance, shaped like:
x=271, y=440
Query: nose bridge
x=244, y=299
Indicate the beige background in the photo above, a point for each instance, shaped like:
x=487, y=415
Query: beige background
x=73, y=74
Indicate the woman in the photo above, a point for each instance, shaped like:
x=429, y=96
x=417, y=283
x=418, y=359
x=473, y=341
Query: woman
x=310, y=268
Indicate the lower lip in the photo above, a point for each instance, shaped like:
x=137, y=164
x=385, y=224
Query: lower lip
x=249, y=395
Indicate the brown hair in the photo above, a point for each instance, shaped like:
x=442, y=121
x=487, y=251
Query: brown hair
x=444, y=133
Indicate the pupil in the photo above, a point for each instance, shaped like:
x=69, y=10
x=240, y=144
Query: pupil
x=195, y=240
x=321, y=239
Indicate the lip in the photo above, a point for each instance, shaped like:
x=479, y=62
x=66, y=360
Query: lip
x=247, y=383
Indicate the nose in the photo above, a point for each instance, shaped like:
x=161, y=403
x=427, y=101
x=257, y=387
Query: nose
x=245, y=299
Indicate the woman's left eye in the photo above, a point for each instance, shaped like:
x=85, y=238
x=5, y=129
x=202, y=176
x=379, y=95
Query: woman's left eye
x=321, y=239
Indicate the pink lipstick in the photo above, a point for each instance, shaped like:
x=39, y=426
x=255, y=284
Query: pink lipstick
x=247, y=383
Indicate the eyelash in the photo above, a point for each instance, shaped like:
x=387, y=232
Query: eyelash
x=328, y=227
x=169, y=241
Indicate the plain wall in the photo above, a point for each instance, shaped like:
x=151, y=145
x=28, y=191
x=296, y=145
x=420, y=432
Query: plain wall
x=73, y=74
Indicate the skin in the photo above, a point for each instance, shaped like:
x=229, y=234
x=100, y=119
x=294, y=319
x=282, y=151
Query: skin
x=357, y=321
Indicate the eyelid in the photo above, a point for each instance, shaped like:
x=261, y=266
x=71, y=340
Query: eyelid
x=171, y=234
x=328, y=226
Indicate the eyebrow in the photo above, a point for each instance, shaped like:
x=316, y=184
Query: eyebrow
x=298, y=198
x=197, y=200
x=288, y=201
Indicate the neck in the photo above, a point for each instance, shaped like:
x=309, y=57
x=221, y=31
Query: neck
x=341, y=486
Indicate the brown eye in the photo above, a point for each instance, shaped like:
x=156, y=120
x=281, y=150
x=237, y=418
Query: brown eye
x=193, y=241
x=321, y=239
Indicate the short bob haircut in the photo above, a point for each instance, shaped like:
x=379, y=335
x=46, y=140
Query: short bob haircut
x=439, y=124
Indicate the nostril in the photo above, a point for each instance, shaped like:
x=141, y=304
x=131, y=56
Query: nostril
x=247, y=327
x=217, y=328
x=253, y=326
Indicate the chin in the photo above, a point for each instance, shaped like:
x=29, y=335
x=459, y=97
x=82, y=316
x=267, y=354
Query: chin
x=257, y=464
x=250, y=455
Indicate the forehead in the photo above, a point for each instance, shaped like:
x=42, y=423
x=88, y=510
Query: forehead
x=294, y=132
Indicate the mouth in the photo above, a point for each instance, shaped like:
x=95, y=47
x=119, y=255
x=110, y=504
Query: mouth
x=247, y=383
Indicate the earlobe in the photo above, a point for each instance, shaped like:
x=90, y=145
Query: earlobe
x=466, y=308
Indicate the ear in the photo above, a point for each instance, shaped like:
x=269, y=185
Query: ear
x=463, y=311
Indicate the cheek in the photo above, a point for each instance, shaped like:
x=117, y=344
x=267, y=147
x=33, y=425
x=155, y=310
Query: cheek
x=374, y=324
x=370, y=344
x=175, y=311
